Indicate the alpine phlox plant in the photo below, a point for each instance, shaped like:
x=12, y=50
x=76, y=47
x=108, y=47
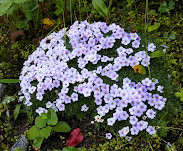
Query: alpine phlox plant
x=87, y=45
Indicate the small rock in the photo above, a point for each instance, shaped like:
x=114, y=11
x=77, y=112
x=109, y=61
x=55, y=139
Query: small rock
x=21, y=143
x=2, y=87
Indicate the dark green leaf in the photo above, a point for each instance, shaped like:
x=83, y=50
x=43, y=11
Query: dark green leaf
x=157, y=54
x=16, y=111
x=52, y=118
x=39, y=122
x=62, y=127
x=100, y=6
x=27, y=10
x=60, y=7
x=37, y=142
x=45, y=132
x=171, y=5
x=9, y=80
x=33, y=133
x=23, y=25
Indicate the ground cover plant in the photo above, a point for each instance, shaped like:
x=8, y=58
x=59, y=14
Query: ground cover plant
x=83, y=66
x=158, y=23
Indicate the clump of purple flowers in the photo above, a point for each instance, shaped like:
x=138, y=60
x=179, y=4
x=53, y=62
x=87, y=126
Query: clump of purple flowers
x=48, y=65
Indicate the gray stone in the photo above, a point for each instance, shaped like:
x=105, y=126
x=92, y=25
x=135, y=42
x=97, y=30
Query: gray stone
x=21, y=143
x=2, y=87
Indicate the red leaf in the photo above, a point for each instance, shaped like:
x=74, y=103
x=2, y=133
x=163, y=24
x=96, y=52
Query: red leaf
x=75, y=138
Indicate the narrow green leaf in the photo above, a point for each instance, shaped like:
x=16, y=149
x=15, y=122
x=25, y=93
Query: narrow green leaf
x=37, y=142
x=100, y=6
x=16, y=111
x=153, y=27
x=157, y=54
x=62, y=127
x=9, y=80
x=33, y=133
x=39, y=122
x=45, y=132
x=52, y=118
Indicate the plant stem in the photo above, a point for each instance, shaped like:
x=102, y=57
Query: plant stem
x=171, y=128
x=145, y=30
x=71, y=11
x=42, y=7
x=79, y=11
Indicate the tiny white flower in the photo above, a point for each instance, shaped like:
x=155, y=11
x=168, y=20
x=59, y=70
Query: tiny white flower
x=84, y=108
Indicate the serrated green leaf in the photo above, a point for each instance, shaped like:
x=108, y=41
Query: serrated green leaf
x=60, y=7
x=5, y=1
x=45, y=132
x=70, y=149
x=27, y=10
x=9, y=80
x=39, y=122
x=164, y=4
x=153, y=27
x=157, y=54
x=33, y=133
x=52, y=118
x=100, y=6
x=178, y=94
x=16, y=111
x=4, y=8
x=62, y=127
x=171, y=5
x=20, y=1
x=14, y=7
x=181, y=98
x=152, y=12
x=37, y=142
